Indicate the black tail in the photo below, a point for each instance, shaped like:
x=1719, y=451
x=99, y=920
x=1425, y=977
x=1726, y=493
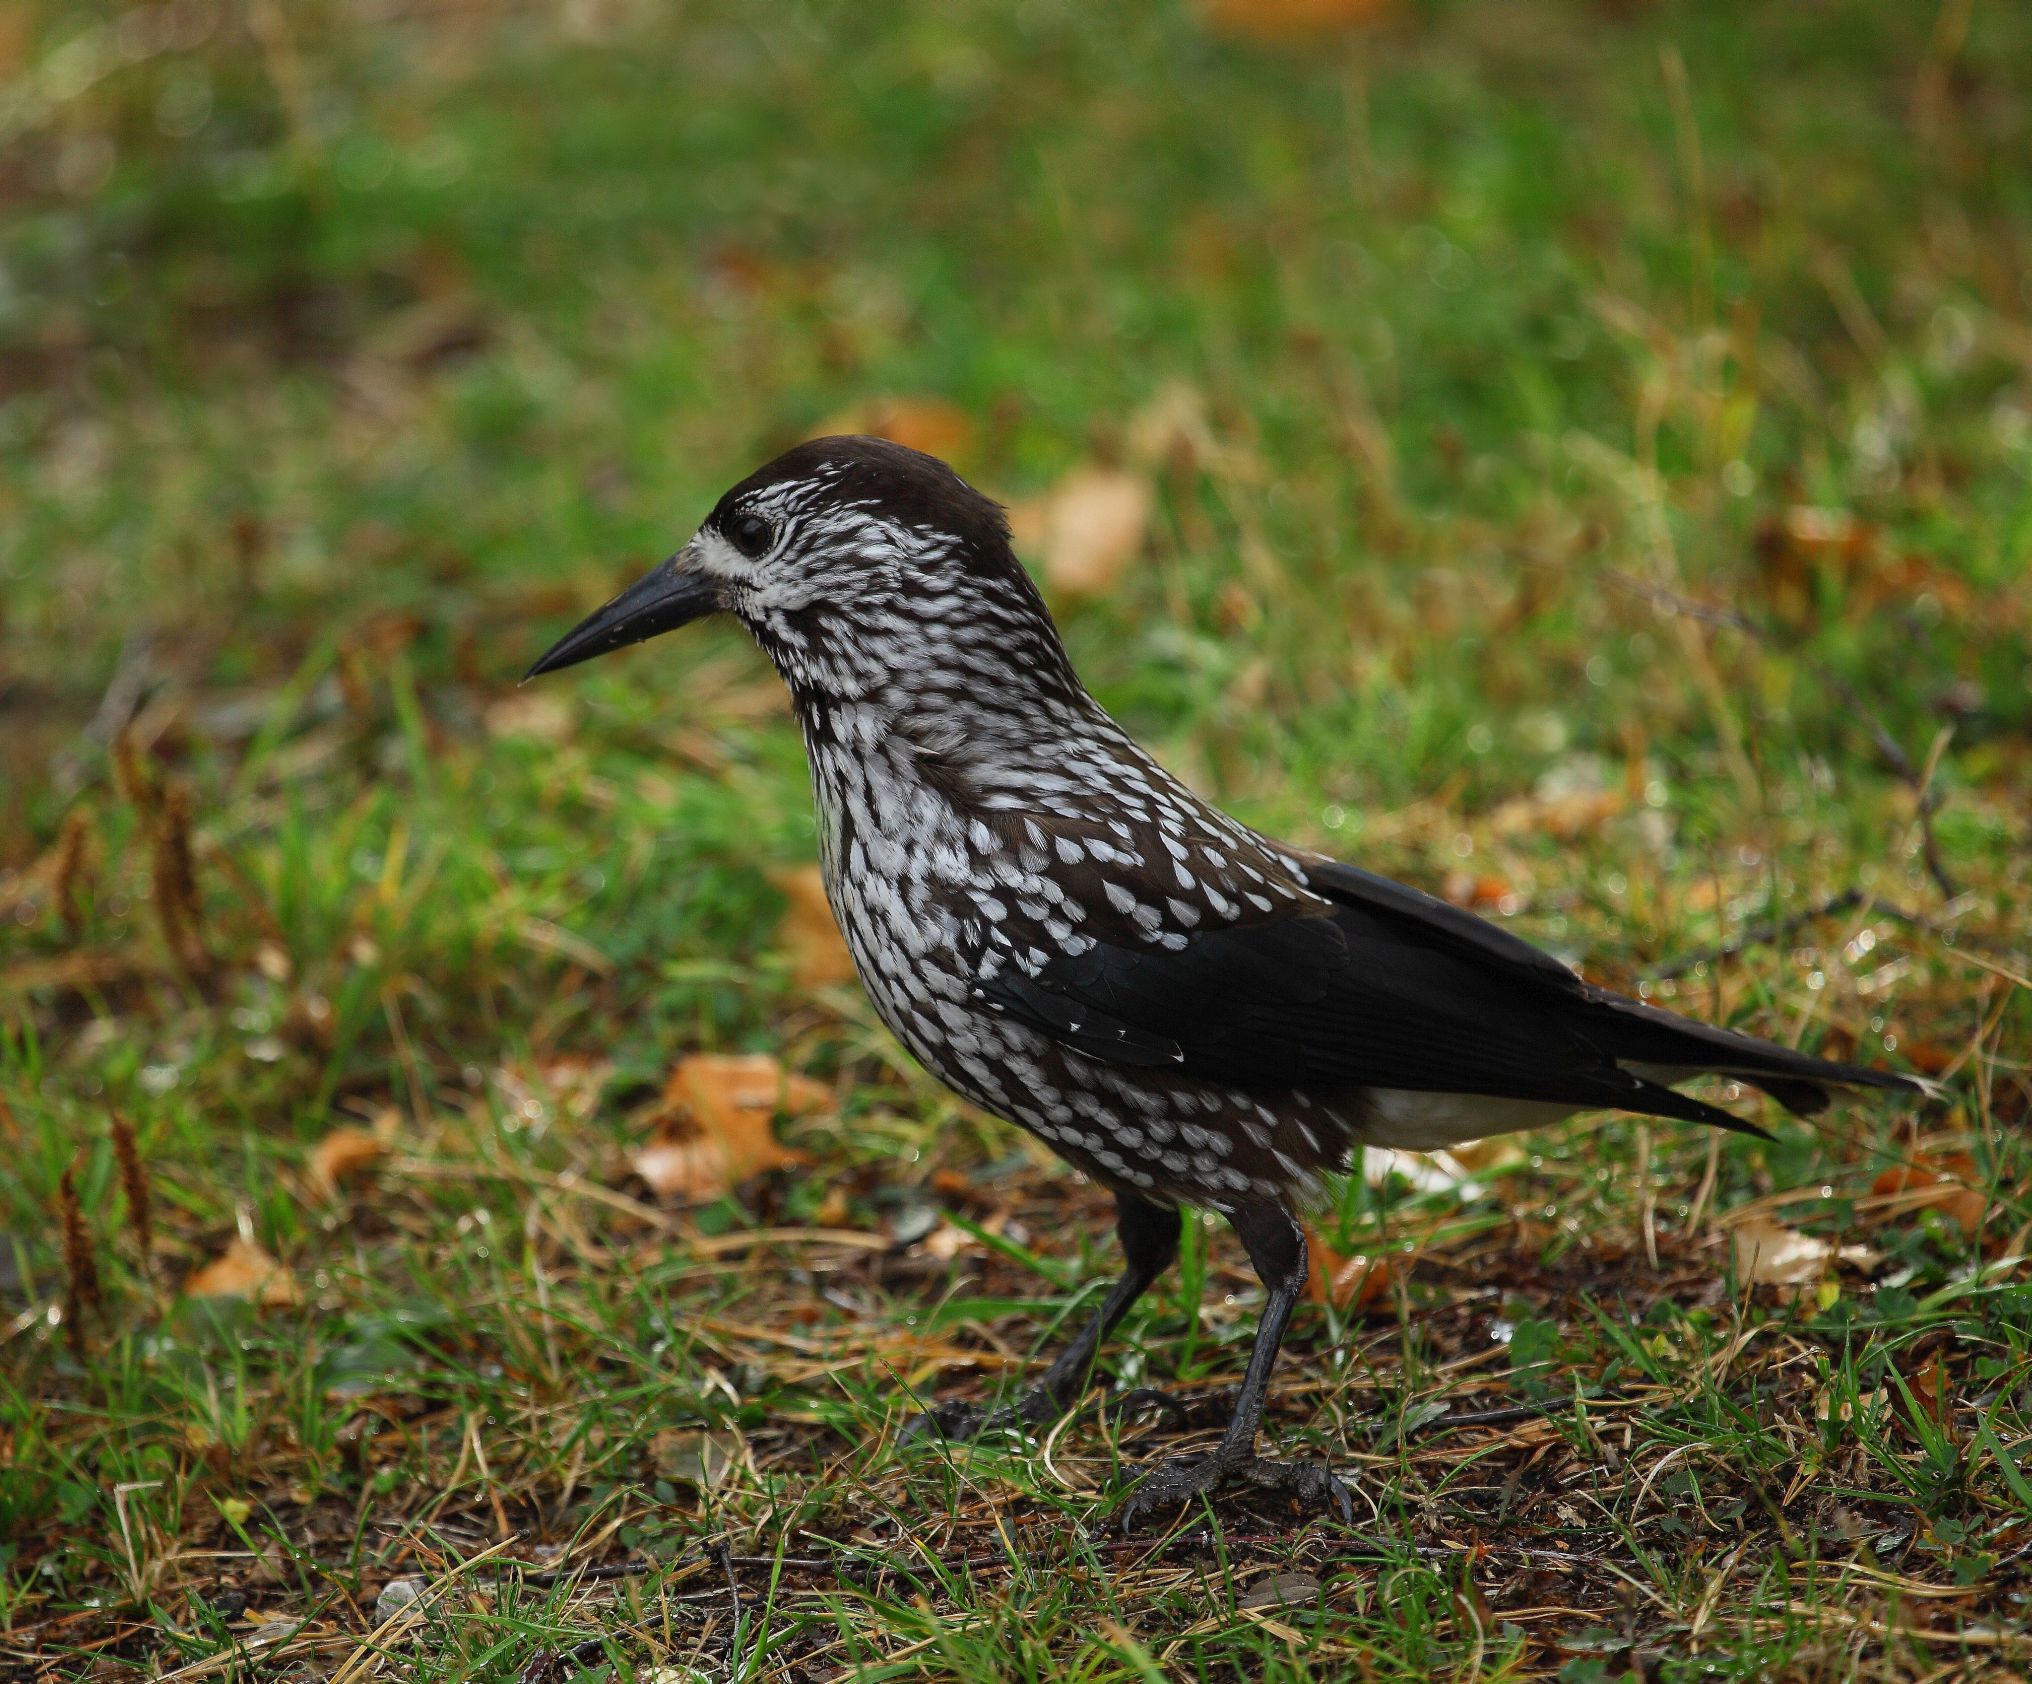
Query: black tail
x=1633, y=1033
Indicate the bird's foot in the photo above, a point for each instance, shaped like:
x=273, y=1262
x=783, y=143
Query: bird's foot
x=958, y=1422
x=1181, y=1479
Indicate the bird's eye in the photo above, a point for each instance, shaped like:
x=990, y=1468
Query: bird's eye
x=751, y=535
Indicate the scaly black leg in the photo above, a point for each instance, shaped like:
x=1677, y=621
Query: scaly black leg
x=1149, y=1235
x=1276, y=1247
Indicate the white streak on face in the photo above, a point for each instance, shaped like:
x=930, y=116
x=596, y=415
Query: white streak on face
x=713, y=556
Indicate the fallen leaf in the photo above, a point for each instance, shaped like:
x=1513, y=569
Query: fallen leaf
x=1489, y=1156
x=1770, y=1254
x=1290, y=20
x=1087, y=528
x=1465, y=888
x=1288, y=1590
x=714, y=1132
x=244, y=1270
x=1943, y=1184
x=945, y=1242
x=345, y=1154
x=1930, y=1058
x=1427, y=1172
x=697, y=1458
x=808, y=933
x=932, y=425
x=1347, y=1283
x=1929, y=1387
x=1829, y=1406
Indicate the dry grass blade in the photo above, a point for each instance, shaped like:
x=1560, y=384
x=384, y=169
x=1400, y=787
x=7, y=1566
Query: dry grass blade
x=131, y=775
x=178, y=909
x=81, y=1265
x=71, y=869
x=134, y=1184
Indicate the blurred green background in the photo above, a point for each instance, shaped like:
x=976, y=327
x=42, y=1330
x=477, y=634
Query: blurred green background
x=1589, y=452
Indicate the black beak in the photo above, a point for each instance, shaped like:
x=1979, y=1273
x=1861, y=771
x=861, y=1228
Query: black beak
x=670, y=597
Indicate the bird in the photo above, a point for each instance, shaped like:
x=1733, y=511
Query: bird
x=1192, y=1013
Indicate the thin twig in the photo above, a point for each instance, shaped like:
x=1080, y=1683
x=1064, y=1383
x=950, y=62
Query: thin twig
x=726, y=1557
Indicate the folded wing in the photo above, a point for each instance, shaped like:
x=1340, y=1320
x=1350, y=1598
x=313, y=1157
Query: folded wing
x=1375, y=985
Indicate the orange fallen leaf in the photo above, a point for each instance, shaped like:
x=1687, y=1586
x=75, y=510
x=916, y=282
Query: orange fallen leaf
x=1087, y=528
x=932, y=425
x=1465, y=888
x=1290, y=20
x=244, y=1270
x=1929, y=1387
x=808, y=933
x=1943, y=1184
x=716, y=1132
x=1347, y=1283
x=345, y=1154
x=1930, y=1058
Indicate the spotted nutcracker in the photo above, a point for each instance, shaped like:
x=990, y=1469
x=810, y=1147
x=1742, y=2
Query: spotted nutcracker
x=1066, y=936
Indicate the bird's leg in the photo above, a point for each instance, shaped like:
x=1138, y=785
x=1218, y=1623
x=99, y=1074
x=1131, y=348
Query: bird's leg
x=1149, y=1235
x=1276, y=1247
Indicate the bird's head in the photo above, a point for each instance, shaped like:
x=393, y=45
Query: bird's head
x=859, y=566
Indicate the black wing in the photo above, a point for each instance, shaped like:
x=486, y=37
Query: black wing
x=1386, y=987
x=1629, y=1029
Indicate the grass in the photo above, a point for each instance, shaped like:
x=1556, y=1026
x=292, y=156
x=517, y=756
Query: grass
x=1605, y=500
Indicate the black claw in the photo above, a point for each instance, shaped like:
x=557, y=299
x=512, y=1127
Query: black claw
x=953, y=1421
x=959, y=1423
x=1178, y=1479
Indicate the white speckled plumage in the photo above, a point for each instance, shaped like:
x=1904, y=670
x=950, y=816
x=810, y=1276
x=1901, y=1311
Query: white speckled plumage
x=1067, y=936
x=999, y=852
